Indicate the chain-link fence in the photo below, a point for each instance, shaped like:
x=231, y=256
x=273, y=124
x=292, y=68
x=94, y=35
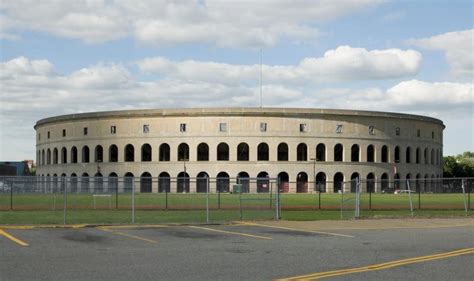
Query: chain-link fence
x=158, y=200
x=138, y=200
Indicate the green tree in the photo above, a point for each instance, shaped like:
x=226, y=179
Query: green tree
x=461, y=165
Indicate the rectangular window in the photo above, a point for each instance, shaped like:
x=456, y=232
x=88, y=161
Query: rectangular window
x=223, y=127
x=113, y=130
x=397, y=131
x=49, y=134
x=182, y=127
x=64, y=132
x=146, y=129
x=371, y=130
x=85, y=131
x=263, y=127
x=339, y=129
x=418, y=133
x=303, y=127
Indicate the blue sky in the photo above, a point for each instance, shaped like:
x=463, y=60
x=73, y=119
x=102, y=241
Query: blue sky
x=60, y=57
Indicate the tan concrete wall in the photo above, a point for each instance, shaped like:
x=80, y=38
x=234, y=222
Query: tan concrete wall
x=244, y=127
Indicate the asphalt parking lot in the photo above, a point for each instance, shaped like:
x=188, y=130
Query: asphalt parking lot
x=351, y=250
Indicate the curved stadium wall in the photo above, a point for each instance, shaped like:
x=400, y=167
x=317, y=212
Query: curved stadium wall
x=298, y=146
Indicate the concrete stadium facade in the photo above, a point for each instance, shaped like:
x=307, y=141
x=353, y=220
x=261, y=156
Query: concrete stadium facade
x=298, y=146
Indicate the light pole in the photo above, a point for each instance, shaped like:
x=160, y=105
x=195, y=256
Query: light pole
x=184, y=176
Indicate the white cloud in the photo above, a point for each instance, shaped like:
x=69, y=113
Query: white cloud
x=342, y=64
x=32, y=89
x=459, y=49
x=223, y=23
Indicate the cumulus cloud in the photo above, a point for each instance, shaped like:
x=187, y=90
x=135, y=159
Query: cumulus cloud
x=161, y=22
x=33, y=89
x=341, y=64
x=459, y=48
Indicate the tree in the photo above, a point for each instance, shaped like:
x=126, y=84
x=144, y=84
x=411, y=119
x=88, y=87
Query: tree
x=461, y=165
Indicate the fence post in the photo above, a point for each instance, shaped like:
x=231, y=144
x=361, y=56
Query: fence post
x=464, y=195
x=11, y=196
x=370, y=199
x=116, y=191
x=166, y=198
x=133, y=199
x=207, y=199
x=65, y=199
x=277, y=211
x=419, y=197
x=409, y=195
x=218, y=199
x=319, y=199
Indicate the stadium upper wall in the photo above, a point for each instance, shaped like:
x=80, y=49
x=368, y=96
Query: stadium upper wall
x=237, y=111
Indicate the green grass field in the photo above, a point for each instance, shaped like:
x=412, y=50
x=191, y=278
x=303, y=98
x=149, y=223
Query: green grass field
x=191, y=208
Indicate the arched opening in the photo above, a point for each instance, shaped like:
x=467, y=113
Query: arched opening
x=418, y=183
x=42, y=158
x=64, y=155
x=425, y=156
x=355, y=178
x=355, y=153
x=48, y=157
x=370, y=153
x=183, y=183
x=338, y=152
x=146, y=153
x=128, y=182
x=418, y=155
x=164, y=152
x=384, y=154
x=223, y=182
x=396, y=181
x=384, y=186
x=183, y=152
x=243, y=152
x=113, y=153
x=145, y=182
x=321, y=152
x=432, y=157
x=112, y=183
x=164, y=182
x=85, y=182
x=243, y=178
x=282, y=152
x=263, y=183
x=302, y=152
x=223, y=152
x=302, y=183
x=338, y=182
x=370, y=182
x=203, y=152
x=201, y=182
x=284, y=180
x=98, y=183
x=408, y=182
x=85, y=154
x=408, y=155
x=73, y=154
x=321, y=182
x=99, y=154
x=397, y=154
x=262, y=152
x=73, y=184
x=55, y=156
x=129, y=153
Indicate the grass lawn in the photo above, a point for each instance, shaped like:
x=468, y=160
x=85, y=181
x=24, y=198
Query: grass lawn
x=191, y=208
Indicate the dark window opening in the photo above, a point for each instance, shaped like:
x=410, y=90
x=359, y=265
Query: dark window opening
x=164, y=152
x=302, y=152
x=146, y=153
x=282, y=152
x=222, y=152
x=243, y=152
x=262, y=154
x=203, y=152
x=321, y=152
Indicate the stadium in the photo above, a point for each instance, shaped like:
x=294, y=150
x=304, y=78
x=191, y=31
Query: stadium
x=307, y=150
